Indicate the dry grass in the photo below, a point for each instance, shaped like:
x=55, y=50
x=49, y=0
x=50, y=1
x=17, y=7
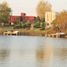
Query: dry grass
x=1, y=31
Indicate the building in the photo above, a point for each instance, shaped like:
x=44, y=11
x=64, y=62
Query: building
x=22, y=18
x=30, y=18
x=49, y=17
x=13, y=18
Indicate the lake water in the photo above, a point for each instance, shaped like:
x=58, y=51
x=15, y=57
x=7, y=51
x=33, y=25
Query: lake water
x=28, y=51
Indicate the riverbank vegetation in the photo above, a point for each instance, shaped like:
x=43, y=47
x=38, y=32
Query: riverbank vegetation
x=60, y=23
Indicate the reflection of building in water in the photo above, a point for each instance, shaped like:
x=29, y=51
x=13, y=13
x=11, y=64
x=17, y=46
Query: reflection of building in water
x=48, y=52
x=48, y=57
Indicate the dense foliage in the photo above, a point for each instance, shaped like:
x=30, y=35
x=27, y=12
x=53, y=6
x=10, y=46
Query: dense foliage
x=5, y=12
x=60, y=23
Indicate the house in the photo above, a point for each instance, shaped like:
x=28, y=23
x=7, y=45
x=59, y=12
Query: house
x=13, y=18
x=22, y=18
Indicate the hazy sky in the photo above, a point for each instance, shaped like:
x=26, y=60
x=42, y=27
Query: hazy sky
x=29, y=6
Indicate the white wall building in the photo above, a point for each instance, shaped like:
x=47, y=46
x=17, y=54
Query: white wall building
x=49, y=17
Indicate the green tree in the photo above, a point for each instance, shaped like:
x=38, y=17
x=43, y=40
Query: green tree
x=37, y=24
x=43, y=26
x=5, y=12
x=28, y=25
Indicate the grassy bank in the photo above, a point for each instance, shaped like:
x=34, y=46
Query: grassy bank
x=29, y=32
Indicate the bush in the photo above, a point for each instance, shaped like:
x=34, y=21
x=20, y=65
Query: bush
x=37, y=24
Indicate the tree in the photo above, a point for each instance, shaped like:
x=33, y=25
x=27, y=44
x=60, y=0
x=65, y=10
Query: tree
x=60, y=23
x=37, y=19
x=37, y=24
x=43, y=26
x=42, y=8
x=5, y=12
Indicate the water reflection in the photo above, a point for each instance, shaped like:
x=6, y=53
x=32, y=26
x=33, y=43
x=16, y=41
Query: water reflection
x=45, y=56
x=4, y=53
x=52, y=55
x=63, y=52
x=60, y=52
x=20, y=51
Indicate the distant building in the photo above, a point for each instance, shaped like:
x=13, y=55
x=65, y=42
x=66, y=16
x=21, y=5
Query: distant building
x=49, y=17
x=22, y=18
x=13, y=18
x=30, y=18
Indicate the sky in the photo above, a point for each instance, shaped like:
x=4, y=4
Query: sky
x=29, y=6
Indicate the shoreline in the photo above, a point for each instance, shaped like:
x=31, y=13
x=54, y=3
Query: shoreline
x=29, y=32
x=34, y=35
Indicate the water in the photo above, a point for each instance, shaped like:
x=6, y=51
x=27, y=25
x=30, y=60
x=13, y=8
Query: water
x=28, y=51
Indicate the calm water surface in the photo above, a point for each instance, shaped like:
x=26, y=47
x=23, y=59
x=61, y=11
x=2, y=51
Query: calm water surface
x=28, y=51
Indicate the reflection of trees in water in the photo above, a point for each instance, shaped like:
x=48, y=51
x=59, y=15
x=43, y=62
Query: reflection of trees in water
x=44, y=54
x=4, y=54
x=40, y=52
x=40, y=55
x=40, y=49
x=61, y=53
